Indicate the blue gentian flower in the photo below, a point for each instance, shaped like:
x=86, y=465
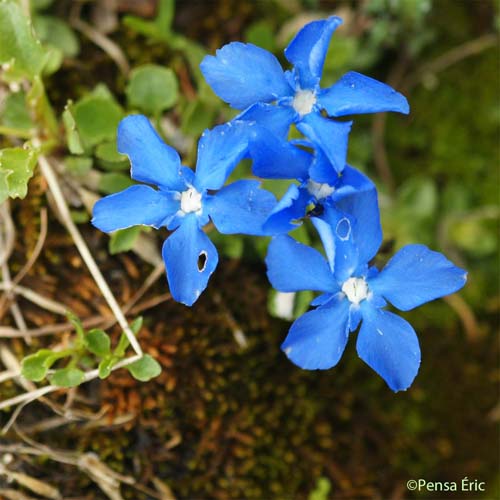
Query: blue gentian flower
x=320, y=184
x=250, y=78
x=353, y=292
x=184, y=200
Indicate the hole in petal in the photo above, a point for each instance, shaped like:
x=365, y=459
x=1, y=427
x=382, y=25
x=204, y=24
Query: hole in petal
x=202, y=261
x=343, y=229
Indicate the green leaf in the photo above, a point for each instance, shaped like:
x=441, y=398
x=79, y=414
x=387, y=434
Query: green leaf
x=302, y=302
x=109, y=157
x=56, y=33
x=106, y=365
x=456, y=197
x=123, y=240
x=146, y=28
x=41, y=4
x=15, y=114
x=72, y=136
x=53, y=60
x=112, y=182
x=160, y=27
x=97, y=117
x=136, y=325
x=419, y=196
x=477, y=236
x=231, y=246
x=67, y=377
x=107, y=151
x=277, y=186
x=145, y=369
x=34, y=367
x=322, y=489
x=75, y=321
x=19, y=48
x=123, y=343
x=16, y=169
x=87, y=362
x=197, y=116
x=40, y=106
x=98, y=342
x=79, y=216
x=163, y=20
x=152, y=89
x=262, y=34
x=78, y=165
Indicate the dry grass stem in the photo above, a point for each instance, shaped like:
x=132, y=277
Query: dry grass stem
x=63, y=209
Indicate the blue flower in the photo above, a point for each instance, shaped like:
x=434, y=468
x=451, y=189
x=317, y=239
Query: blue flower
x=185, y=201
x=250, y=78
x=320, y=185
x=355, y=293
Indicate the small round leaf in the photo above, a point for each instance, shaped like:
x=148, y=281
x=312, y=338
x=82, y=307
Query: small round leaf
x=145, y=369
x=98, y=342
x=152, y=89
x=34, y=367
x=67, y=377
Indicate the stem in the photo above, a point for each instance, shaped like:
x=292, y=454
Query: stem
x=7, y=248
x=16, y=132
x=62, y=206
x=32, y=395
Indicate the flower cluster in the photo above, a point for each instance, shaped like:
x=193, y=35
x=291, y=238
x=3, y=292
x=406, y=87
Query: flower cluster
x=340, y=202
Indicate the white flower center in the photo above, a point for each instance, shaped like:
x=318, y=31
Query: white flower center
x=304, y=101
x=318, y=190
x=190, y=201
x=356, y=289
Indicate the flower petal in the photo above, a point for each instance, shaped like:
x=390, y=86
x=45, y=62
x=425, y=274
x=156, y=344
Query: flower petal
x=307, y=51
x=336, y=230
x=327, y=237
x=219, y=151
x=292, y=266
x=356, y=195
x=277, y=119
x=274, y=158
x=322, y=170
x=389, y=345
x=416, y=275
x=240, y=207
x=330, y=135
x=243, y=74
x=290, y=208
x=355, y=94
x=190, y=259
x=316, y=341
x=136, y=205
x=152, y=160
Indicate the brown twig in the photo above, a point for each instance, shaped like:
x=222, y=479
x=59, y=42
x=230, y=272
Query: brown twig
x=466, y=315
x=4, y=300
x=8, y=332
x=102, y=41
x=453, y=56
x=36, y=251
x=379, y=125
x=7, y=244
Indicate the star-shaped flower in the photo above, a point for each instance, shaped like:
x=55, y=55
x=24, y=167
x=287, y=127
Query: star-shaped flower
x=320, y=184
x=184, y=200
x=250, y=78
x=355, y=293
